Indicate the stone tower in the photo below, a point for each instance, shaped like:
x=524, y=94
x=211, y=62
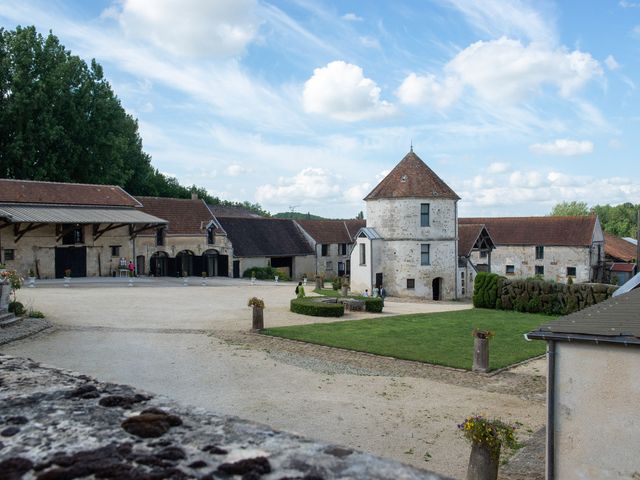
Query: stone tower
x=410, y=242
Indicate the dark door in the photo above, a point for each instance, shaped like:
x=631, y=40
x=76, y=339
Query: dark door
x=73, y=258
x=140, y=264
x=283, y=263
x=436, y=286
x=198, y=266
x=223, y=265
x=236, y=269
x=172, y=267
x=378, y=280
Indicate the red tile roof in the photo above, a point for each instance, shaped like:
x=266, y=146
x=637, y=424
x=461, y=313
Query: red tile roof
x=185, y=216
x=618, y=248
x=557, y=231
x=332, y=231
x=412, y=178
x=468, y=235
x=54, y=193
x=623, y=267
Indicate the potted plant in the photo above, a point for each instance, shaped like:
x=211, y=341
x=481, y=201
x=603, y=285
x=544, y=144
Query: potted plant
x=32, y=278
x=67, y=277
x=481, y=349
x=487, y=437
x=258, y=318
x=204, y=278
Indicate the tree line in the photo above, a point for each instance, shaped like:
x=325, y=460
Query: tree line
x=61, y=121
x=620, y=220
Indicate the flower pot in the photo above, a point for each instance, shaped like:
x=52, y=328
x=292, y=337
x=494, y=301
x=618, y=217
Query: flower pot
x=258, y=319
x=32, y=282
x=483, y=463
x=66, y=282
x=480, y=354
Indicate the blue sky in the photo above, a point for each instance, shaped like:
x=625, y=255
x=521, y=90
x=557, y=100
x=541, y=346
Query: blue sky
x=306, y=104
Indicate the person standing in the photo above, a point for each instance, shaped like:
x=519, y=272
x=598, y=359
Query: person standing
x=300, y=290
x=383, y=292
x=131, y=268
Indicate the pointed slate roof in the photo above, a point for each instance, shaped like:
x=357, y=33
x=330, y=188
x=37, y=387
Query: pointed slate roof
x=412, y=178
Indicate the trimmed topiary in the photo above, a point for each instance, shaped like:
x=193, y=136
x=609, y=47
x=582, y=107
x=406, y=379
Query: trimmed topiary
x=315, y=308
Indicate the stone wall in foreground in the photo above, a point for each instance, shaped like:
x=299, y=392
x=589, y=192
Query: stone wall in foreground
x=56, y=424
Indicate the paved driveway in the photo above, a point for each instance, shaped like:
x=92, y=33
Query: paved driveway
x=162, y=337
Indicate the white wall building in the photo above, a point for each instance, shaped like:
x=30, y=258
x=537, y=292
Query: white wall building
x=410, y=243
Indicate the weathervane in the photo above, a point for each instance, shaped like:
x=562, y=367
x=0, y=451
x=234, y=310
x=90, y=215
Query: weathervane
x=411, y=144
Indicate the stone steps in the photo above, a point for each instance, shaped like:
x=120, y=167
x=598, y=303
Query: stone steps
x=8, y=319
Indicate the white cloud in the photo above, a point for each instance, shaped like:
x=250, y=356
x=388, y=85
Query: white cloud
x=425, y=89
x=505, y=70
x=357, y=192
x=628, y=4
x=235, y=169
x=611, y=63
x=498, y=167
x=309, y=185
x=369, y=42
x=563, y=146
x=351, y=17
x=192, y=27
x=341, y=91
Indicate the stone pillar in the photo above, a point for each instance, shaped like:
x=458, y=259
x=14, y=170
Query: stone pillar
x=5, y=290
x=480, y=354
x=345, y=290
x=258, y=319
x=482, y=464
x=319, y=282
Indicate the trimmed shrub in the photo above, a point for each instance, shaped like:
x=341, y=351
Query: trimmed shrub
x=264, y=273
x=16, y=308
x=485, y=291
x=336, y=283
x=372, y=304
x=308, y=306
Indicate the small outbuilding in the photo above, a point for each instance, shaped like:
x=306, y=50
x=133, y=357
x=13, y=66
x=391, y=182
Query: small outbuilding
x=593, y=421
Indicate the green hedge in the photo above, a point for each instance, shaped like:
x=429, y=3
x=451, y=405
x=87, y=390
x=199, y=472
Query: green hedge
x=307, y=306
x=264, y=273
x=533, y=295
x=372, y=304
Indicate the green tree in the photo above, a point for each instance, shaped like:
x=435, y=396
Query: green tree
x=360, y=215
x=570, y=209
x=620, y=220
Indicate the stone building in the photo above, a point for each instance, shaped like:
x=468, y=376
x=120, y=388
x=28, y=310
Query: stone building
x=332, y=242
x=262, y=242
x=554, y=248
x=410, y=242
x=593, y=359
x=192, y=243
x=51, y=228
x=620, y=258
x=472, y=238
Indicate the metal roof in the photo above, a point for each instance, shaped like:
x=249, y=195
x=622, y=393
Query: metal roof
x=616, y=320
x=86, y=215
x=368, y=232
x=629, y=285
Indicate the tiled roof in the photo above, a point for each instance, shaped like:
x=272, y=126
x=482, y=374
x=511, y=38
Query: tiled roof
x=257, y=237
x=468, y=236
x=623, y=267
x=618, y=248
x=556, y=231
x=616, y=319
x=412, y=178
x=185, y=216
x=227, y=211
x=332, y=231
x=53, y=193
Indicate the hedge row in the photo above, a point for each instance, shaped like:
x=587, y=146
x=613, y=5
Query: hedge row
x=536, y=296
x=306, y=306
x=372, y=304
x=264, y=273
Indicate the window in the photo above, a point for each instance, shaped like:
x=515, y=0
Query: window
x=343, y=249
x=329, y=265
x=115, y=250
x=210, y=236
x=424, y=254
x=462, y=282
x=72, y=234
x=510, y=269
x=325, y=249
x=571, y=271
x=411, y=283
x=483, y=254
x=363, y=254
x=539, y=252
x=539, y=270
x=9, y=254
x=160, y=237
x=424, y=214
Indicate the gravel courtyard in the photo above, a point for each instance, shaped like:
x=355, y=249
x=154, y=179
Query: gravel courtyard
x=191, y=344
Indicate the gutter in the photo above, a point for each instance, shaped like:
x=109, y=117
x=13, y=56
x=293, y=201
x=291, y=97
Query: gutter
x=625, y=340
x=551, y=408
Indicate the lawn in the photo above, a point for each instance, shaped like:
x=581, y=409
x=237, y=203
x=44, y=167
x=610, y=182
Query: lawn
x=438, y=338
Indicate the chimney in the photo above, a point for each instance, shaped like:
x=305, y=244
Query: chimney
x=194, y=196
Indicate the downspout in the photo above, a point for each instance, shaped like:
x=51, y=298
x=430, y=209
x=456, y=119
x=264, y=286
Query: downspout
x=455, y=265
x=551, y=413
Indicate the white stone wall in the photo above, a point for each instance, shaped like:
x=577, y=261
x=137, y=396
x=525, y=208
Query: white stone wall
x=465, y=287
x=555, y=261
x=363, y=276
x=398, y=222
x=597, y=429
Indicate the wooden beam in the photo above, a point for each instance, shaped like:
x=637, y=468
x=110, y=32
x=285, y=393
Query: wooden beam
x=97, y=232
x=133, y=231
x=5, y=225
x=20, y=233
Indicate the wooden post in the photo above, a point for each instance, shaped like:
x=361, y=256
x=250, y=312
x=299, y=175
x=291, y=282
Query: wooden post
x=482, y=464
x=258, y=319
x=480, y=354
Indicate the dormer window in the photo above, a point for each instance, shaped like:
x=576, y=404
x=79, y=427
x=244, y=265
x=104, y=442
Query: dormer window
x=403, y=178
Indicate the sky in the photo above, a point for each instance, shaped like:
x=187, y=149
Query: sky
x=306, y=105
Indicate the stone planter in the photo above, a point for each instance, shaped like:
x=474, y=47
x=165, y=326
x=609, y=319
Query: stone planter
x=480, y=354
x=67, y=280
x=319, y=283
x=482, y=464
x=253, y=280
x=5, y=290
x=345, y=290
x=32, y=282
x=276, y=278
x=258, y=319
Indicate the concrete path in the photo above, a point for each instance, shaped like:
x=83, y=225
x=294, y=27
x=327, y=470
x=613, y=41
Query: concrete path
x=162, y=339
